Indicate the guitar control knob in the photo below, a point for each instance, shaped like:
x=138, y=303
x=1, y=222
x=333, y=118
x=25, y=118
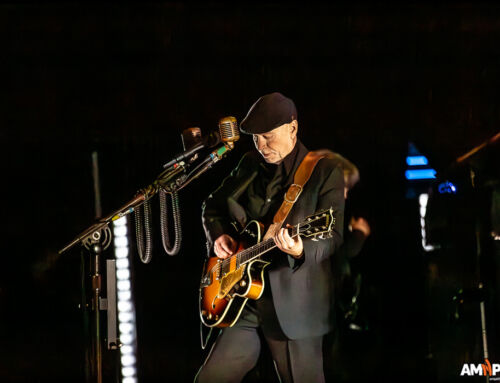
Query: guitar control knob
x=204, y=312
x=243, y=283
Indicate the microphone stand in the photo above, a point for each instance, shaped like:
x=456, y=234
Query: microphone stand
x=96, y=239
x=98, y=236
x=171, y=180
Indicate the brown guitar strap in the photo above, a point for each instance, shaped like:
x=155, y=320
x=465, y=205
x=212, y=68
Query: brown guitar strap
x=300, y=178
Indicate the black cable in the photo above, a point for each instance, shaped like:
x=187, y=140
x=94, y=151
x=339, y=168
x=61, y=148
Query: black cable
x=143, y=232
x=176, y=213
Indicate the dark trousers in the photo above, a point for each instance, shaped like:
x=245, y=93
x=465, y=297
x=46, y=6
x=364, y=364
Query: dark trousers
x=236, y=350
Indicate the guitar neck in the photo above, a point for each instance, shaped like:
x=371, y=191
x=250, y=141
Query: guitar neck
x=260, y=248
x=315, y=226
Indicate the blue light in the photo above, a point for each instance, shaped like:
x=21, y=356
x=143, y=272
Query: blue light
x=420, y=174
x=416, y=160
x=447, y=187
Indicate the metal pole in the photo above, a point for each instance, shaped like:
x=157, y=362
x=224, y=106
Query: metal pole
x=96, y=277
x=96, y=287
x=97, y=185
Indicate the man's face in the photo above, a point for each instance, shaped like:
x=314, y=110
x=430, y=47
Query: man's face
x=278, y=143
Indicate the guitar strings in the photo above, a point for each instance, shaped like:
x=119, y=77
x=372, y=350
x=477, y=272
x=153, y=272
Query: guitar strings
x=253, y=251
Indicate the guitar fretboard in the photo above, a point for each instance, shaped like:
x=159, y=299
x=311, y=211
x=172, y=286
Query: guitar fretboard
x=253, y=252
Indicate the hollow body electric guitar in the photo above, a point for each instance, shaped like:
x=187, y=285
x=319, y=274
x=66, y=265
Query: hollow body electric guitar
x=227, y=284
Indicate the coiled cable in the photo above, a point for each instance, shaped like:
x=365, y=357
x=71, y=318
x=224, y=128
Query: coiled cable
x=176, y=214
x=143, y=232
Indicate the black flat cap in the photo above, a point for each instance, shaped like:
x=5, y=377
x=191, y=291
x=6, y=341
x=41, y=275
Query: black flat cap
x=268, y=112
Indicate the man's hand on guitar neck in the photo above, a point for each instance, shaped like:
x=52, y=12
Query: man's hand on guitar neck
x=225, y=246
x=289, y=245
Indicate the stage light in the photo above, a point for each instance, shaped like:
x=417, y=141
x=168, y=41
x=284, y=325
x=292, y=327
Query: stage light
x=128, y=371
x=128, y=360
x=120, y=222
x=420, y=174
x=123, y=274
x=447, y=187
x=121, y=241
x=126, y=339
x=124, y=295
x=122, y=263
x=416, y=160
x=123, y=285
x=120, y=231
x=126, y=328
x=121, y=252
x=125, y=317
x=126, y=309
x=124, y=306
x=127, y=349
x=422, y=200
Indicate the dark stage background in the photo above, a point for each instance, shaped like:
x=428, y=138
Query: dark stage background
x=125, y=79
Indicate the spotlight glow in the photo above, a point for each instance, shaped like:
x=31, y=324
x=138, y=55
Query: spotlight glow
x=416, y=160
x=121, y=242
x=124, y=295
x=422, y=200
x=121, y=252
x=123, y=274
x=126, y=339
x=128, y=371
x=124, y=306
x=123, y=285
x=122, y=263
x=125, y=317
x=447, y=187
x=420, y=174
x=128, y=360
x=126, y=328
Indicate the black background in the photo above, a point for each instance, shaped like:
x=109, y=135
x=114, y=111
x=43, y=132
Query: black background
x=125, y=79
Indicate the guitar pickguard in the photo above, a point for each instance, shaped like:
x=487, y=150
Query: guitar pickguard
x=229, y=281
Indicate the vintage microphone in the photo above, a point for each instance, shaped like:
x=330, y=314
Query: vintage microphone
x=228, y=134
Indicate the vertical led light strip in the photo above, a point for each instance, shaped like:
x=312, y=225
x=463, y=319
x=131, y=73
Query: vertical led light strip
x=422, y=200
x=126, y=308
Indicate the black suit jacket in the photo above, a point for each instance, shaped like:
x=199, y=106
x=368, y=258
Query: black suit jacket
x=302, y=289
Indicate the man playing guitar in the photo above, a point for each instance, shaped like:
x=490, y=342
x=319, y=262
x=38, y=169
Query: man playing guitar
x=294, y=311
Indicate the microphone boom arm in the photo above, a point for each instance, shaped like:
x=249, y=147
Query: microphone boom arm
x=141, y=196
x=171, y=180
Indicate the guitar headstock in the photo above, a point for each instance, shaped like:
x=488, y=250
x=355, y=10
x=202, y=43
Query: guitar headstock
x=318, y=226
